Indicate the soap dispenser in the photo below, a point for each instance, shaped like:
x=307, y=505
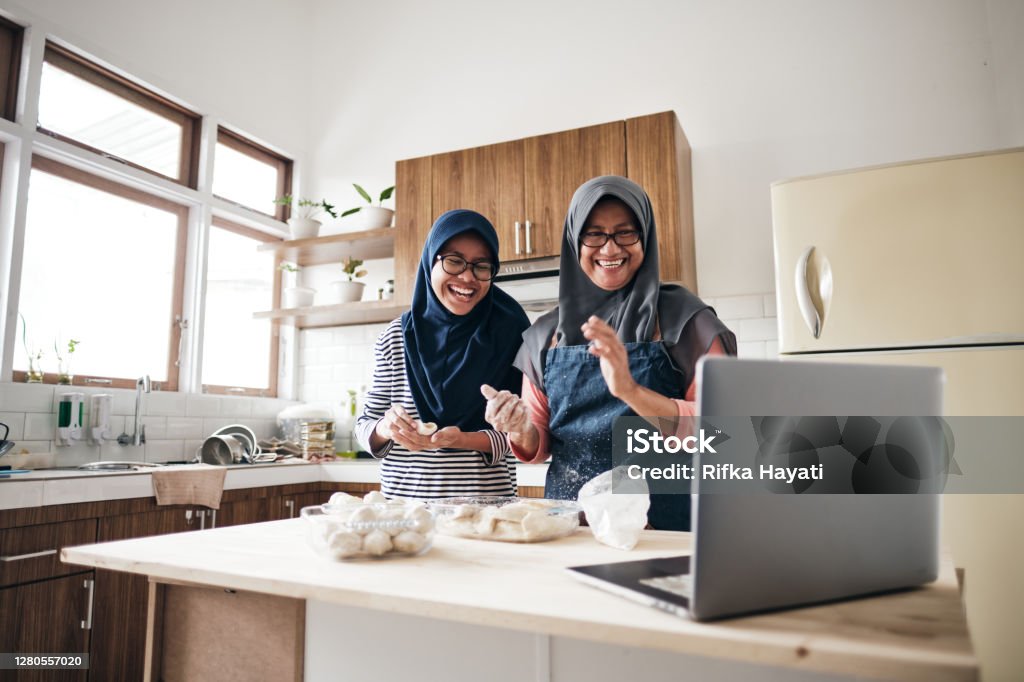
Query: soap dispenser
x=69, y=418
x=99, y=417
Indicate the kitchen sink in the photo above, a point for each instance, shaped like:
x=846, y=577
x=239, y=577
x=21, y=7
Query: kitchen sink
x=117, y=466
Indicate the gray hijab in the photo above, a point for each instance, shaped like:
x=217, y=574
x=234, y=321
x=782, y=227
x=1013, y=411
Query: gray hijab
x=688, y=325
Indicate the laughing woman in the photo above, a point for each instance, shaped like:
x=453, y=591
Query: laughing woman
x=460, y=333
x=619, y=343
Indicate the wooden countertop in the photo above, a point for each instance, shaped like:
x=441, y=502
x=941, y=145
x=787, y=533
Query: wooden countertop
x=914, y=635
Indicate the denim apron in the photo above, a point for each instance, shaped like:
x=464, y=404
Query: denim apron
x=583, y=412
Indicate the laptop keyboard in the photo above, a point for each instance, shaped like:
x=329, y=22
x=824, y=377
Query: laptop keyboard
x=681, y=585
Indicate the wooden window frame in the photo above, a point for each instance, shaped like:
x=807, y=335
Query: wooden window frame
x=256, y=151
x=11, y=70
x=275, y=325
x=190, y=122
x=81, y=177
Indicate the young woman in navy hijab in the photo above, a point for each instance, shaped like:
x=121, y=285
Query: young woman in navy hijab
x=461, y=333
x=619, y=343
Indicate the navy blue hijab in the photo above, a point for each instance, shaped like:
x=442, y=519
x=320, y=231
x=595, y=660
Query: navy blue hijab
x=449, y=356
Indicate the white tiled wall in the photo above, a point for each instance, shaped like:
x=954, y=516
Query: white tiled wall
x=176, y=423
x=332, y=361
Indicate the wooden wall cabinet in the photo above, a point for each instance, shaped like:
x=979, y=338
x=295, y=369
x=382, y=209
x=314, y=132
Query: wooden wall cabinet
x=524, y=188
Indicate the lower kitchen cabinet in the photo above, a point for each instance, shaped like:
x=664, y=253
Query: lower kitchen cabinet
x=119, y=617
x=241, y=512
x=47, y=617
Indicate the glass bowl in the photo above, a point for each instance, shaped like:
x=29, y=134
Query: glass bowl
x=369, y=531
x=505, y=519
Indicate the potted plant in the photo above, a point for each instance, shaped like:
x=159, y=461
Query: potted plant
x=34, y=375
x=64, y=375
x=371, y=217
x=349, y=290
x=294, y=296
x=303, y=223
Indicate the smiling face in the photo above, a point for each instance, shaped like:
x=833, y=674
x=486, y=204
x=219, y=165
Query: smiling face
x=611, y=266
x=460, y=293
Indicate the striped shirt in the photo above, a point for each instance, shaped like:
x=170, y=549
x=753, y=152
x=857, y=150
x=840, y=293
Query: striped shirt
x=428, y=474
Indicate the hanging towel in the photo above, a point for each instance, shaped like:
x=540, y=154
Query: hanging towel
x=200, y=484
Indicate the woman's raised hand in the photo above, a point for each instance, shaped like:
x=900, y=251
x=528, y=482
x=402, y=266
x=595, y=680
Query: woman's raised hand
x=505, y=411
x=605, y=344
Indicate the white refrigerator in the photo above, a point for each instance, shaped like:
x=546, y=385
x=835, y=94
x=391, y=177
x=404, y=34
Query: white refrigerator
x=922, y=263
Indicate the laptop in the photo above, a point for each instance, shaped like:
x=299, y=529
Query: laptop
x=754, y=553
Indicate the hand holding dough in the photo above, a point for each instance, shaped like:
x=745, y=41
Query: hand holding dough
x=505, y=410
x=426, y=428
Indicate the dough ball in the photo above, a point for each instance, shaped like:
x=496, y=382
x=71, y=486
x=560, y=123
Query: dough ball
x=377, y=543
x=362, y=518
x=375, y=497
x=392, y=521
x=420, y=519
x=320, y=530
x=508, y=530
x=464, y=511
x=486, y=521
x=409, y=541
x=343, y=544
x=343, y=498
x=463, y=528
x=426, y=428
x=512, y=512
x=539, y=526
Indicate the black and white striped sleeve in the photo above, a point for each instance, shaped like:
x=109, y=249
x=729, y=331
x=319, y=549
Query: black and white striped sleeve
x=387, y=377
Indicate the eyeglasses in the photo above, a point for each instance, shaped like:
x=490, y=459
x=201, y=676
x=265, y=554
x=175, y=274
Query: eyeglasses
x=456, y=265
x=598, y=239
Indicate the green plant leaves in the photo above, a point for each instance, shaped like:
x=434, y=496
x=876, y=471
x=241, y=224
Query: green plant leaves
x=386, y=194
x=363, y=193
x=351, y=211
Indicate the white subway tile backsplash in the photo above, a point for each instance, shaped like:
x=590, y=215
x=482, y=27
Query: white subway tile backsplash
x=769, y=305
x=184, y=427
x=160, y=451
x=309, y=356
x=164, y=403
x=26, y=397
x=156, y=427
x=236, y=406
x=32, y=446
x=15, y=424
x=267, y=408
x=349, y=335
x=333, y=355
x=317, y=338
x=740, y=307
x=764, y=329
x=771, y=349
x=202, y=406
x=750, y=349
x=40, y=426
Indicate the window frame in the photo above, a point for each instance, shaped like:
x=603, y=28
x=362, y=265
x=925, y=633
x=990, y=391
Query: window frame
x=11, y=54
x=275, y=325
x=72, y=174
x=188, y=162
x=243, y=145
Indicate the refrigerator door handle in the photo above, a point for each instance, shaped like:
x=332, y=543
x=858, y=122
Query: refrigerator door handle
x=813, y=289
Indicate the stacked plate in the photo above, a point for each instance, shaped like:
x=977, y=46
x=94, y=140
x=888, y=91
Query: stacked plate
x=317, y=439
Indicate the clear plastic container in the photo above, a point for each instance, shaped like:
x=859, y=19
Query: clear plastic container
x=369, y=531
x=506, y=519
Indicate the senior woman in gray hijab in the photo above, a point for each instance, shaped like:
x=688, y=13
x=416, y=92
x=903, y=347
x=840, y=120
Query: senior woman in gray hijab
x=619, y=343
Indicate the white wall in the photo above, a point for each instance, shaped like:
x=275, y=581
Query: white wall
x=1006, y=22
x=764, y=91
x=235, y=59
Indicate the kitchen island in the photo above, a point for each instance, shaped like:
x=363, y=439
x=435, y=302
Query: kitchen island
x=471, y=610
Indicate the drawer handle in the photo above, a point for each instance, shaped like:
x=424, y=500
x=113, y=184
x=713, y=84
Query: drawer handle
x=87, y=623
x=33, y=555
x=529, y=249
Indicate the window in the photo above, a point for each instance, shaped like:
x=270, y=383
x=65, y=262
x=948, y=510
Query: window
x=125, y=250
x=10, y=66
x=239, y=352
x=250, y=175
x=87, y=105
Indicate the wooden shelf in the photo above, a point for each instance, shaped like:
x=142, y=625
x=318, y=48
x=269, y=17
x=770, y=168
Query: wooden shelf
x=337, y=315
x=366, y=245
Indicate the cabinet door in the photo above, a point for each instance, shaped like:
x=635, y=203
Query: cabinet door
x=414, y=214
x=488, y=180
x=241, y=512
x=31, y=553
x=658, y=159
x=554, y=166
x=46, y=618
x=119, y=611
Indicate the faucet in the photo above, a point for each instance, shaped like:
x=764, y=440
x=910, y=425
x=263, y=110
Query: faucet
x=138, y=436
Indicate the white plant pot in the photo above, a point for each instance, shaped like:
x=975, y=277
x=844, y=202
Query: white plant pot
x=304, y=228
x=372, y=217
x=346, y=292
x=297, y=297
